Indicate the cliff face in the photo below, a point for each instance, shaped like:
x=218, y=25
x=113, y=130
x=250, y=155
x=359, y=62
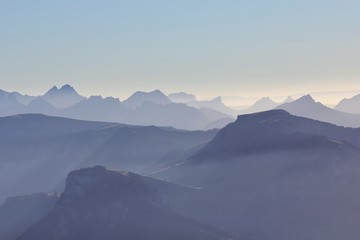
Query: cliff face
x=102, y=204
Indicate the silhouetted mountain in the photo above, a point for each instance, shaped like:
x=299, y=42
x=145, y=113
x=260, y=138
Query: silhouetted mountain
x=23, y=99
x=17, y=214
x=307, y=107
x=349, y=105
x=289, y=99
x=41, y=106
x=64, y=97
x=36, y=147
x=102, y=204
x=9, y=105
x=263, y=104
x=138, y=98
x=177, y=115
x=97, y=108
x=142, y=108
x=215, y=104
x=275, y=176
x=181, y=97
x=276, y=130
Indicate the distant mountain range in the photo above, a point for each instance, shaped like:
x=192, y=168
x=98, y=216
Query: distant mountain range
x=180, y=110
x=306, y=106
x=265, y=104
x=268, y=175
x=142, y=108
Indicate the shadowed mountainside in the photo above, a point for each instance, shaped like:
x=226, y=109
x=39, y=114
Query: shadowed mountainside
x=37, y=147
x=102, y=204
x=272, y=175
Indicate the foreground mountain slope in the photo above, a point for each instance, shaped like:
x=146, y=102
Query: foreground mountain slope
x=275, y=176
x=103, y=204
x=17, y=214
x=306, y=106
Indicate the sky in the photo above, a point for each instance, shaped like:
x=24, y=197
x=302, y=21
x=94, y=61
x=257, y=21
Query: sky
x=205, y=47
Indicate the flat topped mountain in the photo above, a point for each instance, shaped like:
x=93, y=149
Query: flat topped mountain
x=277, y=130
x=102, y=204
x=272, y=175
x=181, y=97
x=138, y=98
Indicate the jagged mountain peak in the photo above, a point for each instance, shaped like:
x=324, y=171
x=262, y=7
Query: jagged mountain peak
x=306, y=99
x=65, y=89
x=64, y=97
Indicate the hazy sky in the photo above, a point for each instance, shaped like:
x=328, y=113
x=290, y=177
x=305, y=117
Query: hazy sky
x=206, y=47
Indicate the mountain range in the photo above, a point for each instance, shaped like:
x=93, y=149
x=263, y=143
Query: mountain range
x=268, y=175
x=141, y=108
x=306, y=106
x=36, y=147
x=179, y=110
x=273, y=175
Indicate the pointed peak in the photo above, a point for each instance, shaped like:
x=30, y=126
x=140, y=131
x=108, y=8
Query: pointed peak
x=157, y=91
x=265, y=99
x=306, y=99
x=289, y=99
x=66, y=87
x=54, y=88
x=217, y=99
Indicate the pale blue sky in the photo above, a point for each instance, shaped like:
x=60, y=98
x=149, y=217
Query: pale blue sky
x=206, y=47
